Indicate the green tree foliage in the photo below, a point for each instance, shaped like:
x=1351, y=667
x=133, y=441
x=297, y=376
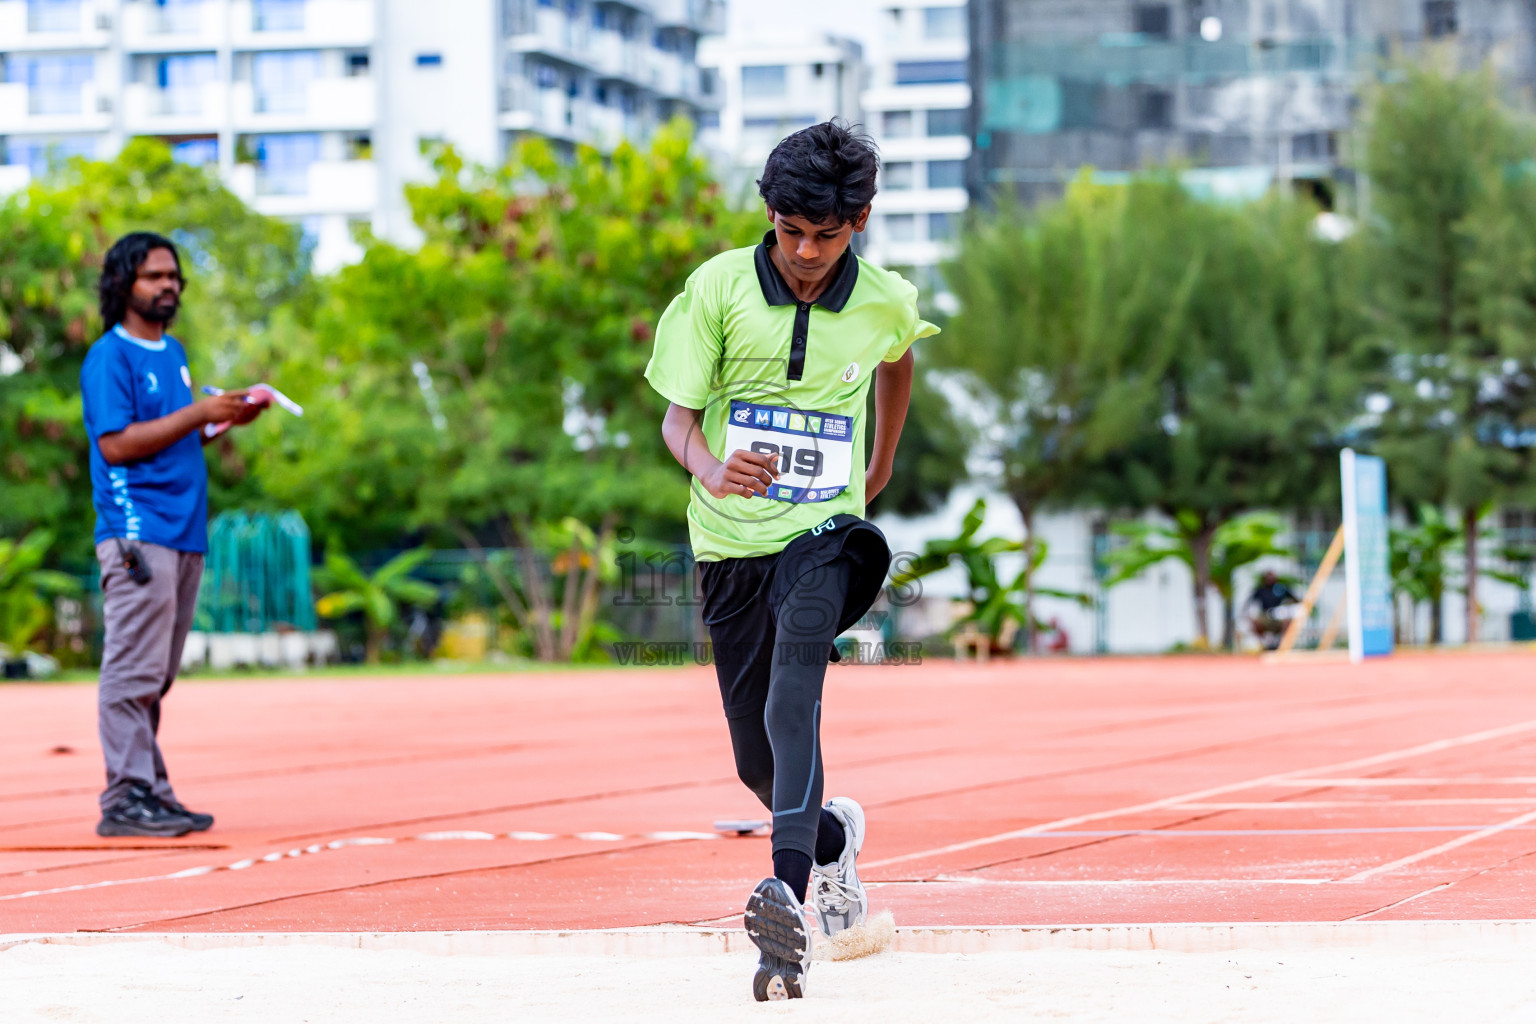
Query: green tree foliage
x=378, y=597
x=52, y=240
x=1235, y=544
x=1453, y=293
x=1138, y=348
x=931, y=458
x=995, y=599
x=492, y=379
x=25, y=589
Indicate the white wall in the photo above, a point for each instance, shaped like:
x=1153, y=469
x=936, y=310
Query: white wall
x=456, y=100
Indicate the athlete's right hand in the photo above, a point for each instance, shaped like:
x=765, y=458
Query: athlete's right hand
x=743, y=474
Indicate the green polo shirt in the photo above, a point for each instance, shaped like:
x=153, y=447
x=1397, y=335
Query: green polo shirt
x=783, y=377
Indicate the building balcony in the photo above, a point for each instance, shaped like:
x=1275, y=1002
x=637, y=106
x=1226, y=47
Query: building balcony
x=178, y=28
x=326, y=186
x=323, y=104
x=613, y=56
x=555, y=35
x=706, y=17
x=313, y=24
x=24, y=109
x=82, y=26
x=151, y=110
x=550, y=112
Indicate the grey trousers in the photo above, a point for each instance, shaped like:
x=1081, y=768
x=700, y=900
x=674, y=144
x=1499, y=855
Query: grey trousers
x=146, y=628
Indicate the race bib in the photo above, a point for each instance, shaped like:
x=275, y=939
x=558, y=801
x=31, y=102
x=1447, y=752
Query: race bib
x=814, y=449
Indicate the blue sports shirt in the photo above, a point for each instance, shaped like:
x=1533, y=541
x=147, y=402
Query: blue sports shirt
x=162, y=499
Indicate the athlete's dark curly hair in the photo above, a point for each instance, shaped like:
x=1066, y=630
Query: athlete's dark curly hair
x=823, y=173
x=121, y=268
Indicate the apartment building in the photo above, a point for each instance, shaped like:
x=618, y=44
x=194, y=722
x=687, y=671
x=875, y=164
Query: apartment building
x=319, y=111
x=917, y=106
x=1248, y=93
x=769, y=88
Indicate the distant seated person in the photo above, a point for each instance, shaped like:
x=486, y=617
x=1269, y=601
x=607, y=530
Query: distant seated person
x=1269, y=622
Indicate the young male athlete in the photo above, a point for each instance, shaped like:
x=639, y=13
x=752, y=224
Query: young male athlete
x=767, y=358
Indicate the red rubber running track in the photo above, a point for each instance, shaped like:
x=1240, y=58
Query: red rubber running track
x=1052, y=792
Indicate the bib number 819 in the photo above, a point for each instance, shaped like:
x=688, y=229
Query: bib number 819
x=801, y=461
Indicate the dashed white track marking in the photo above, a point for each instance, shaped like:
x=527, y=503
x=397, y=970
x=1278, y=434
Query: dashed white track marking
x=337, y=844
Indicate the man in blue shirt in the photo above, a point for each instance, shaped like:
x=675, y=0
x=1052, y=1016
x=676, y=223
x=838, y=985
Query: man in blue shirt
x=150, y=489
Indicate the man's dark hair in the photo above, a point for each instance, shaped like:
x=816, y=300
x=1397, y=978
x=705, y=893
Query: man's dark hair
x=121, y=268
x=823, y=173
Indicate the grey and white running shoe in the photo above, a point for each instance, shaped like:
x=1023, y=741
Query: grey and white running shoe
x=836, y=892
x=784, y=930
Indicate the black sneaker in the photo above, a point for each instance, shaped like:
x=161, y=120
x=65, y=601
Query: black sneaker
x=783, y=929
x=200, y=822
x=141, y=814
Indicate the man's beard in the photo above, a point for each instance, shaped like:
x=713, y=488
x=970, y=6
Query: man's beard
x=162, y=310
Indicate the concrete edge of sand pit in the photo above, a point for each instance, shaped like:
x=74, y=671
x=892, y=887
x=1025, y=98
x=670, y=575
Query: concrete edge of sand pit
x=663, y=941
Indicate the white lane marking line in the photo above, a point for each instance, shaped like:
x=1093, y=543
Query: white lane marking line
x=1403, y=780
x=337, y=844
x=1446, y=847
x=1309, y=805
x=1431, y=747
x=955, y=879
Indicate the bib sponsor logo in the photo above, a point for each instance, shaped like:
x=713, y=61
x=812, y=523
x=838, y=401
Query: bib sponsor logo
x=763, y=417
x=741, y=415
x=851, y=373
x=186, y=376
x=813, y=424
x=796, y=421
x=781, y=420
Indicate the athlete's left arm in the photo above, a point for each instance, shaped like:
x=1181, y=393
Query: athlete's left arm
x=893, y=390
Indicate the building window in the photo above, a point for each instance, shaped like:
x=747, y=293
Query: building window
x=358, y=65
x=172, y=17
x=1439, y=18
x=897, y=124
x=930, y=72
x=764, y=80
x=281, y=80
x=947, y=122
x=941, y=226
x=944, y=23
x=41, y=155
x=277, y=15
x=1155, y=21
x=1313, y=147
x=181, y=80
x=1154, y=109
x=946, y=174
x=53, y=15
x=709, y=119
x=900, y=176
x=283, y=162
x=901, y=227
x=429, y=60
x=546, y=77
x=360, y=146
x=55, y=85
x=195, y=152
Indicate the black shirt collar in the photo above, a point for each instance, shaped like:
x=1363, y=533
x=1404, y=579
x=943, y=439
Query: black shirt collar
x=777, y=292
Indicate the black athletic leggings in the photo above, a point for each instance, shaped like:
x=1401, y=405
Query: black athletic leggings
x=778, y=752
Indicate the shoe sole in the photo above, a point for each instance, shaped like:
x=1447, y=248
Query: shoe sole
x=113, y=829
x=775, y=929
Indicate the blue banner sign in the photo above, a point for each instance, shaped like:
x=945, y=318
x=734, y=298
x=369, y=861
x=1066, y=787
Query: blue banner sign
x=1367, y=565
